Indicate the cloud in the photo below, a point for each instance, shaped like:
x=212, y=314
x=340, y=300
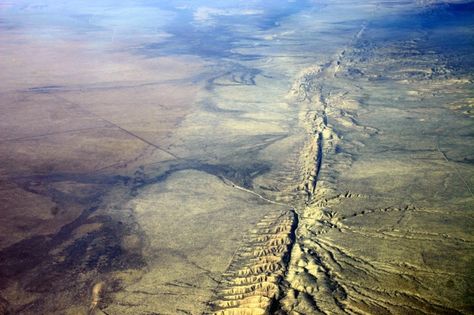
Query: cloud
x=206, y=15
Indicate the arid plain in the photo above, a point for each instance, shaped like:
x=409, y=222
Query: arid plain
x=236, y=158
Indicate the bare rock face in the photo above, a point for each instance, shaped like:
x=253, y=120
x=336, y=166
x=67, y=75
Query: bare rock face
x=252, y=282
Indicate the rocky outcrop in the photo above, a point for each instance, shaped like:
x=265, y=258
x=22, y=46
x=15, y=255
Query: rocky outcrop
x=252, y=283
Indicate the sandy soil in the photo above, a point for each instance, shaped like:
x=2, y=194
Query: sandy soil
x=310, y=158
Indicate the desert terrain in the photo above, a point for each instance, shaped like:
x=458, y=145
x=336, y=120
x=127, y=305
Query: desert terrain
x=236, y=158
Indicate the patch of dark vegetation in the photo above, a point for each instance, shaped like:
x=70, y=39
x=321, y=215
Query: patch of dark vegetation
x=236, y=76
x=242, y=176
x=21, y=256
x=40, y=268
x=69, y=261
x=101, y=250
x=241, y=170
x=468, y=160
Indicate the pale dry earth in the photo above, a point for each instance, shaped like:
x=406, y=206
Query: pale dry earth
x=206, y=158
